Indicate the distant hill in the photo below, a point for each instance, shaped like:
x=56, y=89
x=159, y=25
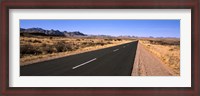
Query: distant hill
x=43, y=32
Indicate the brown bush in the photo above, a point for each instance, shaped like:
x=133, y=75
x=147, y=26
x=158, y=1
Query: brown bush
x=61, y=46
x=119, y=39
x=50, y=37
x=49, y=49
x=29, y=49
x=29, y=40
x=100, y=43
x=109, y=42
x=108, y=39
x=37, y=41
x=86, y=44
x=164, y=42
x=78, y=39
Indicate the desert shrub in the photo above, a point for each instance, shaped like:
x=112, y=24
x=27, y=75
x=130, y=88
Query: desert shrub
x=75, y=47
x=49, y=49
x=37, y=41
x=78, y=40
x=109, y=42
x=100, y=43
x=44, y=44
x=50, y=37
x=86, y=44
x=68, y=46
x=29, y=49
x=119, y=39
x=164, y=42
x=175, y=48
x=29, y=40
x=171, y=49
x=115, y=40
x=106, y=39
x=91, y=43
x=61, y=46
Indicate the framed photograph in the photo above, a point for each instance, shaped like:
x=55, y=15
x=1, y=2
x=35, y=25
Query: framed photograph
x=97, y=47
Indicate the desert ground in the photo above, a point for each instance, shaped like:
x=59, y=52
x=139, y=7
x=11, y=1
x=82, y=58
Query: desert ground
x=167, y=50
x=35, y=49
x=40, y=48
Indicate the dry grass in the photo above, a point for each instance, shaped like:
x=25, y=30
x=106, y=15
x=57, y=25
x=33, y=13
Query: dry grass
x=168, y=50
x=40, y=48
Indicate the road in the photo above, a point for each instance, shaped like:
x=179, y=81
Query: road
x=112, y=61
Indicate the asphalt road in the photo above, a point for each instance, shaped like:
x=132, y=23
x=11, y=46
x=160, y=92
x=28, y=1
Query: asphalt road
x=113, y=61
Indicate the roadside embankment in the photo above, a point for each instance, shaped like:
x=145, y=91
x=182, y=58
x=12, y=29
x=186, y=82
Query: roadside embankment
x=147, y=64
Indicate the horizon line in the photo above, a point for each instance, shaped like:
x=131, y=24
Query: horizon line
x=106, y=35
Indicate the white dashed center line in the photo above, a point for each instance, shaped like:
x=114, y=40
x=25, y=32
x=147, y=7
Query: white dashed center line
x=115, y=50
x=84, y=63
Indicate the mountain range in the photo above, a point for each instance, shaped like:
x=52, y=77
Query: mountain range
x=43, y=32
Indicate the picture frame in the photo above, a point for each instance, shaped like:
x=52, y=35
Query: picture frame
x=97, y=4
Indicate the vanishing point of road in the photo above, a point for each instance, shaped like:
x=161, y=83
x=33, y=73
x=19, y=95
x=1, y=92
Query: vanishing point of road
x=112, y=61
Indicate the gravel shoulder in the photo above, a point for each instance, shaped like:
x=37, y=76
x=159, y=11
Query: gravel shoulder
x=147, y=64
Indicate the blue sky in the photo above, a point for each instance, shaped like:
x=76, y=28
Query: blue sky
x=144, y=28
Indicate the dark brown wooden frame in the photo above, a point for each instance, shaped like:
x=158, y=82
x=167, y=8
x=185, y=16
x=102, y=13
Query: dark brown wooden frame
x=100, y=4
